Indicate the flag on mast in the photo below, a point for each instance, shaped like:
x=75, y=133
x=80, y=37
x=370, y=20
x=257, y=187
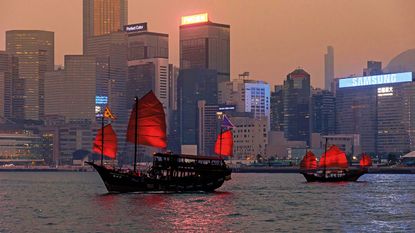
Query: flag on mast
x=226, y=123
x=108, y=113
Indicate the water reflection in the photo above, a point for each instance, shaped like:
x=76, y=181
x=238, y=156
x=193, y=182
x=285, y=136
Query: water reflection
x=201, y=212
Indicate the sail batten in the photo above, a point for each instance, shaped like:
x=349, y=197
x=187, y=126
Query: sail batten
x=334, y=158
x=224, y=143
x=151, y=124
x=110, y=142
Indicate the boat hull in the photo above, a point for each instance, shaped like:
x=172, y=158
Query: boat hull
x=346, y=176
x=121, y=182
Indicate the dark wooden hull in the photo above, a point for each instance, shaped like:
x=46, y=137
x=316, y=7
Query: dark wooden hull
x=121, y=182
x=345, y=176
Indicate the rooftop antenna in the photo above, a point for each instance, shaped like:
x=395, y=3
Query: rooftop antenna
x=244, y=75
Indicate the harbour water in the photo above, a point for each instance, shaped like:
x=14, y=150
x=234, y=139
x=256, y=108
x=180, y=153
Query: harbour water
x=77, y=202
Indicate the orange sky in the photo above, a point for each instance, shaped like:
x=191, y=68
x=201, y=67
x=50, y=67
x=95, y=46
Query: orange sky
x=269, y=38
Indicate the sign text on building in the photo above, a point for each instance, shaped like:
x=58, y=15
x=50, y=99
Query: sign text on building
x=139, y=27
x=375, y=80
x=191, y=19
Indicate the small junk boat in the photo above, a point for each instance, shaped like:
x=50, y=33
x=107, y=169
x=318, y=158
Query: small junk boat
x=333, y=167
x=169, y=172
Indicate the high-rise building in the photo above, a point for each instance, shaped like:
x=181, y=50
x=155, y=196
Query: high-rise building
x=111, y=54
x=194, y=85
x=250, y=135
x=205, y=45
x=373, y=68
x=297, y=106
x=207, y=127
x=329, y=68
x=379, y=108
x=34, y=50
x=173, y=76
x=277, y=108
x=323, y=112
x=8, y=73
x=71, y=92
x=102, y=17
x=148, y=64
x=247, y=95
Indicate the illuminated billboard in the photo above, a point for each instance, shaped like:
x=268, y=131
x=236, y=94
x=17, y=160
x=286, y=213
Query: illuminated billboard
x=191, y=19
x=139, y=27
x=100, y=102
x=375, y=80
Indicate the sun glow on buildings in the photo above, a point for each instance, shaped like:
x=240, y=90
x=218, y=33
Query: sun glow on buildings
x=192, y=19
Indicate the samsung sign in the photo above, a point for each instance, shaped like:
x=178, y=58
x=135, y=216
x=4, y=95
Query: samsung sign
x=139, y=27
x=375, y=80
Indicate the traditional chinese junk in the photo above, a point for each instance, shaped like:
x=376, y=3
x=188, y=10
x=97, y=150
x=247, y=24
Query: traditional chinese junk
x=169, y=172
x=333, y=167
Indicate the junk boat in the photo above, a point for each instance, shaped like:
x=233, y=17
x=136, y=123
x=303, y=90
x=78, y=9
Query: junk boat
x=169, y=172
x=333, y=167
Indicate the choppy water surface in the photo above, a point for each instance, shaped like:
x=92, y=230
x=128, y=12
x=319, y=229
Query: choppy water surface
x=77, y=202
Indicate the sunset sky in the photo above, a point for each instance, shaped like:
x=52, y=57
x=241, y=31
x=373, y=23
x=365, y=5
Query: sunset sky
x=269, y=38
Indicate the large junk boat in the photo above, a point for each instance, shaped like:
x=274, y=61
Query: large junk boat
x=169, y=172
x=333, y=167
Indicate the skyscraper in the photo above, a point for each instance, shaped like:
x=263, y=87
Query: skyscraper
x=297, y=106
x=34, y=50
x=329, y=68
x=71, y=92
x=379, y=108
x=111, y=53
x=194, y=85
x=101, y=17
x=8, y=73
x=323, y=112
x=205, y=45
x=148, y=63
x=277, y=108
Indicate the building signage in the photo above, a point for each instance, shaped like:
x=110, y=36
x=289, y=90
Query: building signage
x=191, y=19
x=139, y=27
x=224, y=108
x=101, y=100
x=375, y=80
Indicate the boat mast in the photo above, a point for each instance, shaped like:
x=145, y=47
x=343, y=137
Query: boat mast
x=325, y=158
x=220, y=141
x=136, y=134
x=102, y=142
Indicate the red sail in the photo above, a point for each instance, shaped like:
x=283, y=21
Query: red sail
x=227, y=144
x=334, y=158
x=110, y=142
x=309, y=161
x=151, y=128
x=365, y=161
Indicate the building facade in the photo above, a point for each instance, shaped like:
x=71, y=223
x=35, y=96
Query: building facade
x=277, y=109
x=297, y=106
x=102, y=17
x=71, y=92
x=323, y=112
x=8, y=73
x=250, y=136
x=379, y=108
x=148, y=64
x=194, y=85
x=34, y=50
x=111, y=54
x=205, y=45
x=329, y=68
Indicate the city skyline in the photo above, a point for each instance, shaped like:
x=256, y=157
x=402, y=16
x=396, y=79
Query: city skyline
x=358, y=31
